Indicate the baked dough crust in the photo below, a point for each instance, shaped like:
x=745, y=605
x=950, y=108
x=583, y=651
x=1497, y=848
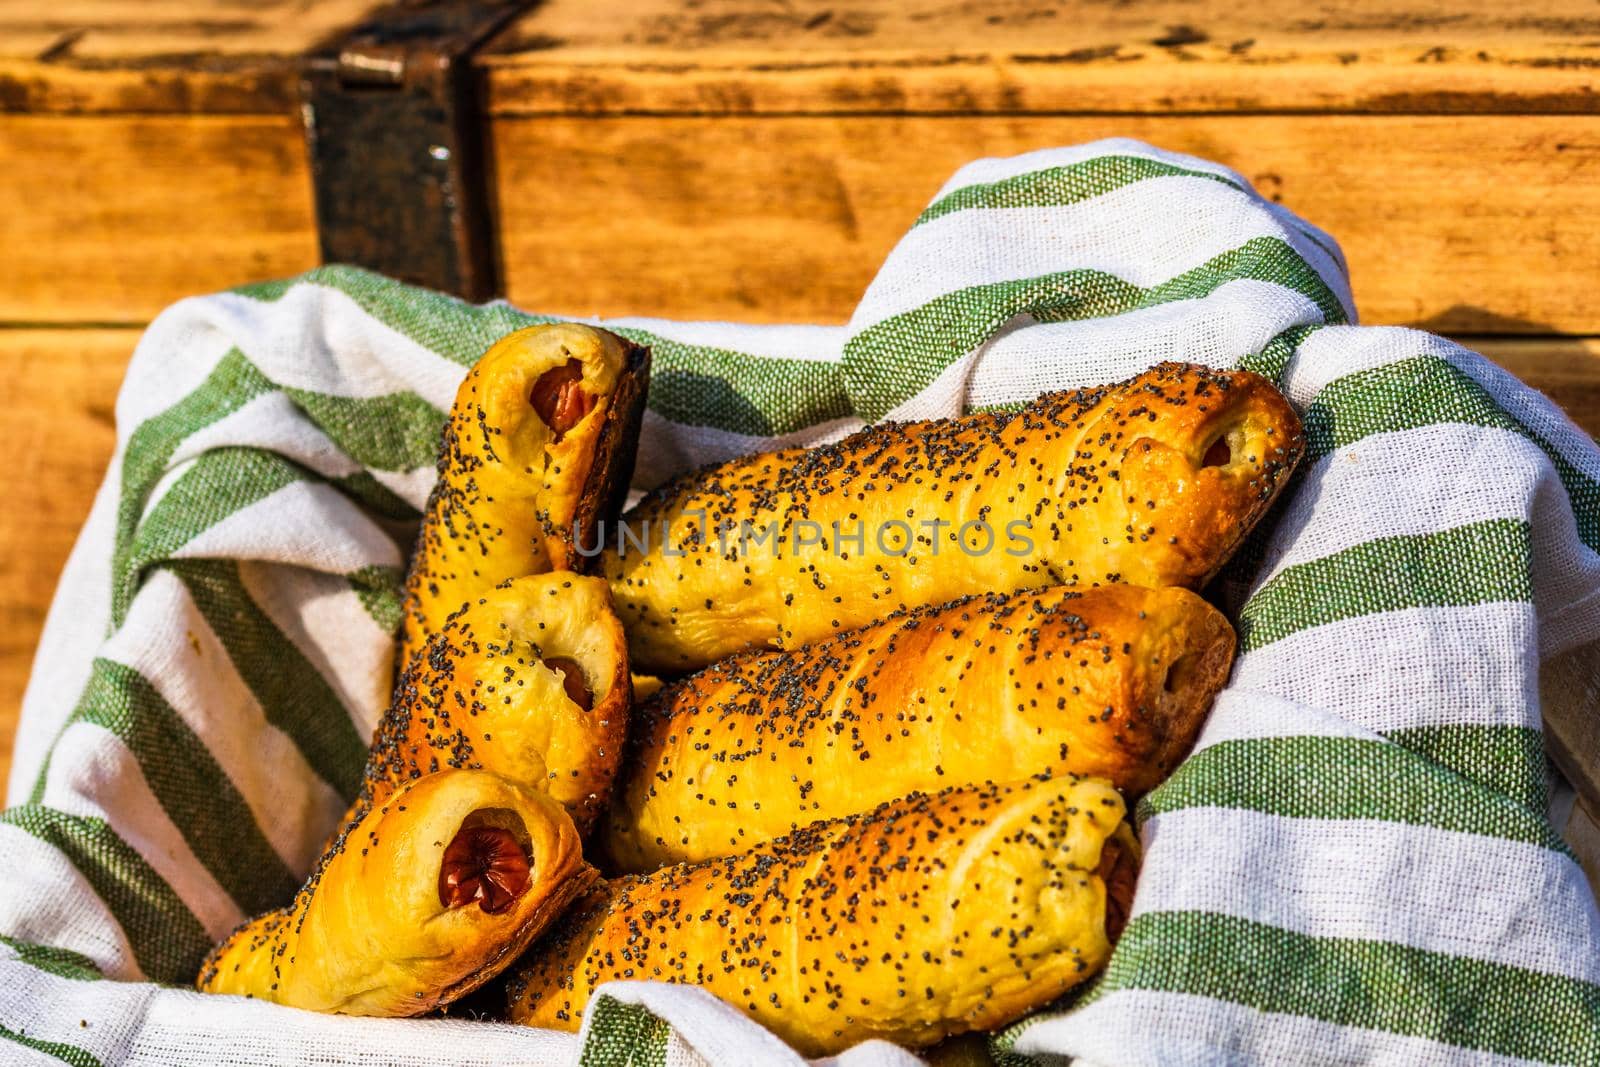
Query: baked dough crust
x=494, y=690
x=515, y=489
x=1152, y=482
x=1114, y=683
x=929, y=916
x=370, y=932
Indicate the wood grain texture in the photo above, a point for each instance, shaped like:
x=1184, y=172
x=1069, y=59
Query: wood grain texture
x=1566, y=369
x=1583, y=834
x=744, y=56
x=1481, y=224
x=964, y=56
x=126, y=214
x=58, y=389
x=1487, y=225
x=161, y=55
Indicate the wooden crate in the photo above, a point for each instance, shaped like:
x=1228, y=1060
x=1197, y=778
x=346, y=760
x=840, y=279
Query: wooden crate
x=751, y=160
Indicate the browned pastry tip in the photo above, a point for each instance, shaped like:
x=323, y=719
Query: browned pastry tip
x=1119, y=871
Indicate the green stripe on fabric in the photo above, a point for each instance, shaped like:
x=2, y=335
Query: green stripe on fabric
x=1315, y=777
x=63, y=963
x=695, y=385
x=1479, y=563
x=1270, y=362
x=381, y=591
x=458, y=331
x=65, y=1053
x=395, y=432
x=1508, y=759
x=1425, y=391
x=1060, y=186
x=167, y=940
x=232, y=384
x=398, y=432
x=1373, y=985
x=197, y=795
x=1273, y=359
x=216, y=485
x=292, y=693
x=897, y=358
x=1002, y=1043
x=378, y=499
x=1265, y=259
x=267, y=291
x=762, y=396
x=1074, y=183
x=623, y=1035
x=1004, y=1057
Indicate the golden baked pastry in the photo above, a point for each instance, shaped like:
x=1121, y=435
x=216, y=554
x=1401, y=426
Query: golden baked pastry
x=1114, y=683
x=529, y=681
x=929, y=916
x=539, y=449
x=646, y=686
x=1151, y=482
x=428, y=897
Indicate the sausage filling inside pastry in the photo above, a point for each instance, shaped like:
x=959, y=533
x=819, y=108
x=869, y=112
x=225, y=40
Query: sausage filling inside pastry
x=426, y=898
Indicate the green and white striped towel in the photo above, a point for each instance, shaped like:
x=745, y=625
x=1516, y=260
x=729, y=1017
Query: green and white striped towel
x=1356, y=865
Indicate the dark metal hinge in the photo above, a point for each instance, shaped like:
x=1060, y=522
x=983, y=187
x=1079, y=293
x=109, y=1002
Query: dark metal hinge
x=395, y=133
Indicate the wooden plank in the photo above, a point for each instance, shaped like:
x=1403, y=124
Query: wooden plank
x=1494, y=216
x=58, y=389
x=126, y=214
x=161, y=55
x=1488, y=226
x=150, y=31
x=1583, y=834
x=1011, y=56
x=1485, y=226
x=741, y=56
x=1566, y=369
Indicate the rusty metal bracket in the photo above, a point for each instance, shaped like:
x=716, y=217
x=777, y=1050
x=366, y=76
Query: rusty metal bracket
x=395, y=135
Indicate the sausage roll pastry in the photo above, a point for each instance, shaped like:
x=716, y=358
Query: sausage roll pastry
x=929, y=916
x=529, y=681
x=1151, y=482
x=425, y=899
x=538, y=451
x=1115, y=683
